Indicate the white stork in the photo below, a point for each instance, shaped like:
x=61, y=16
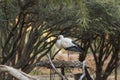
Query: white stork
x=68, y=44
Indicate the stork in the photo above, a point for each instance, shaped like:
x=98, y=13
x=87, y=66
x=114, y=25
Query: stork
x=68, y=44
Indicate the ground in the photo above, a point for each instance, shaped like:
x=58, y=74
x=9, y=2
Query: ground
x=44, y=72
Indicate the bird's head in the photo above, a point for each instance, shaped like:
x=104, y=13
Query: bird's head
x=60, y=36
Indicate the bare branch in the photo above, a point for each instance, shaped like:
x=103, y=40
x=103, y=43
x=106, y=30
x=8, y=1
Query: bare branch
x=16, y=73
x=83, y=71
x=52, y=65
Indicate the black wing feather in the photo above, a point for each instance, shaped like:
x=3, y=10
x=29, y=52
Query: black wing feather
x=75, y=48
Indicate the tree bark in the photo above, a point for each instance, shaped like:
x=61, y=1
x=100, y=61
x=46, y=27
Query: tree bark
x=16, y=73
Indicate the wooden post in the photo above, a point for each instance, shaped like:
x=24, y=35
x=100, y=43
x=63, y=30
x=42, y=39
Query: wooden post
x=77, y=76
x=62, y=71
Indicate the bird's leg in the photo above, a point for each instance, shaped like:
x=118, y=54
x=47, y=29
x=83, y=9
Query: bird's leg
x=68, y=56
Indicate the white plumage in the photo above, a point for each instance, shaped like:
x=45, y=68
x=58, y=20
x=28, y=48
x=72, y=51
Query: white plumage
x=64, y=42
x=68, y=44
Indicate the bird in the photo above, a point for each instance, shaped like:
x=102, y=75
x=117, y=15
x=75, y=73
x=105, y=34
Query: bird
x=68, y=44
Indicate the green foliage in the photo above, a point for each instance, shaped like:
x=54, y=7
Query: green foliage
x=27, y=25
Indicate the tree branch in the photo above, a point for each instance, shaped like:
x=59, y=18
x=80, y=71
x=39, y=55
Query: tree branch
x=52, y=65
x=16, y=73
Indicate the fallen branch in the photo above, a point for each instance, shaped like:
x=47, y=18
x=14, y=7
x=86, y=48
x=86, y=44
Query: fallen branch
x=16, y=73
x=60, y=64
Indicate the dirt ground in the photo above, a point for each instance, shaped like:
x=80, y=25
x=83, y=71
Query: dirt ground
x=44, y=72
